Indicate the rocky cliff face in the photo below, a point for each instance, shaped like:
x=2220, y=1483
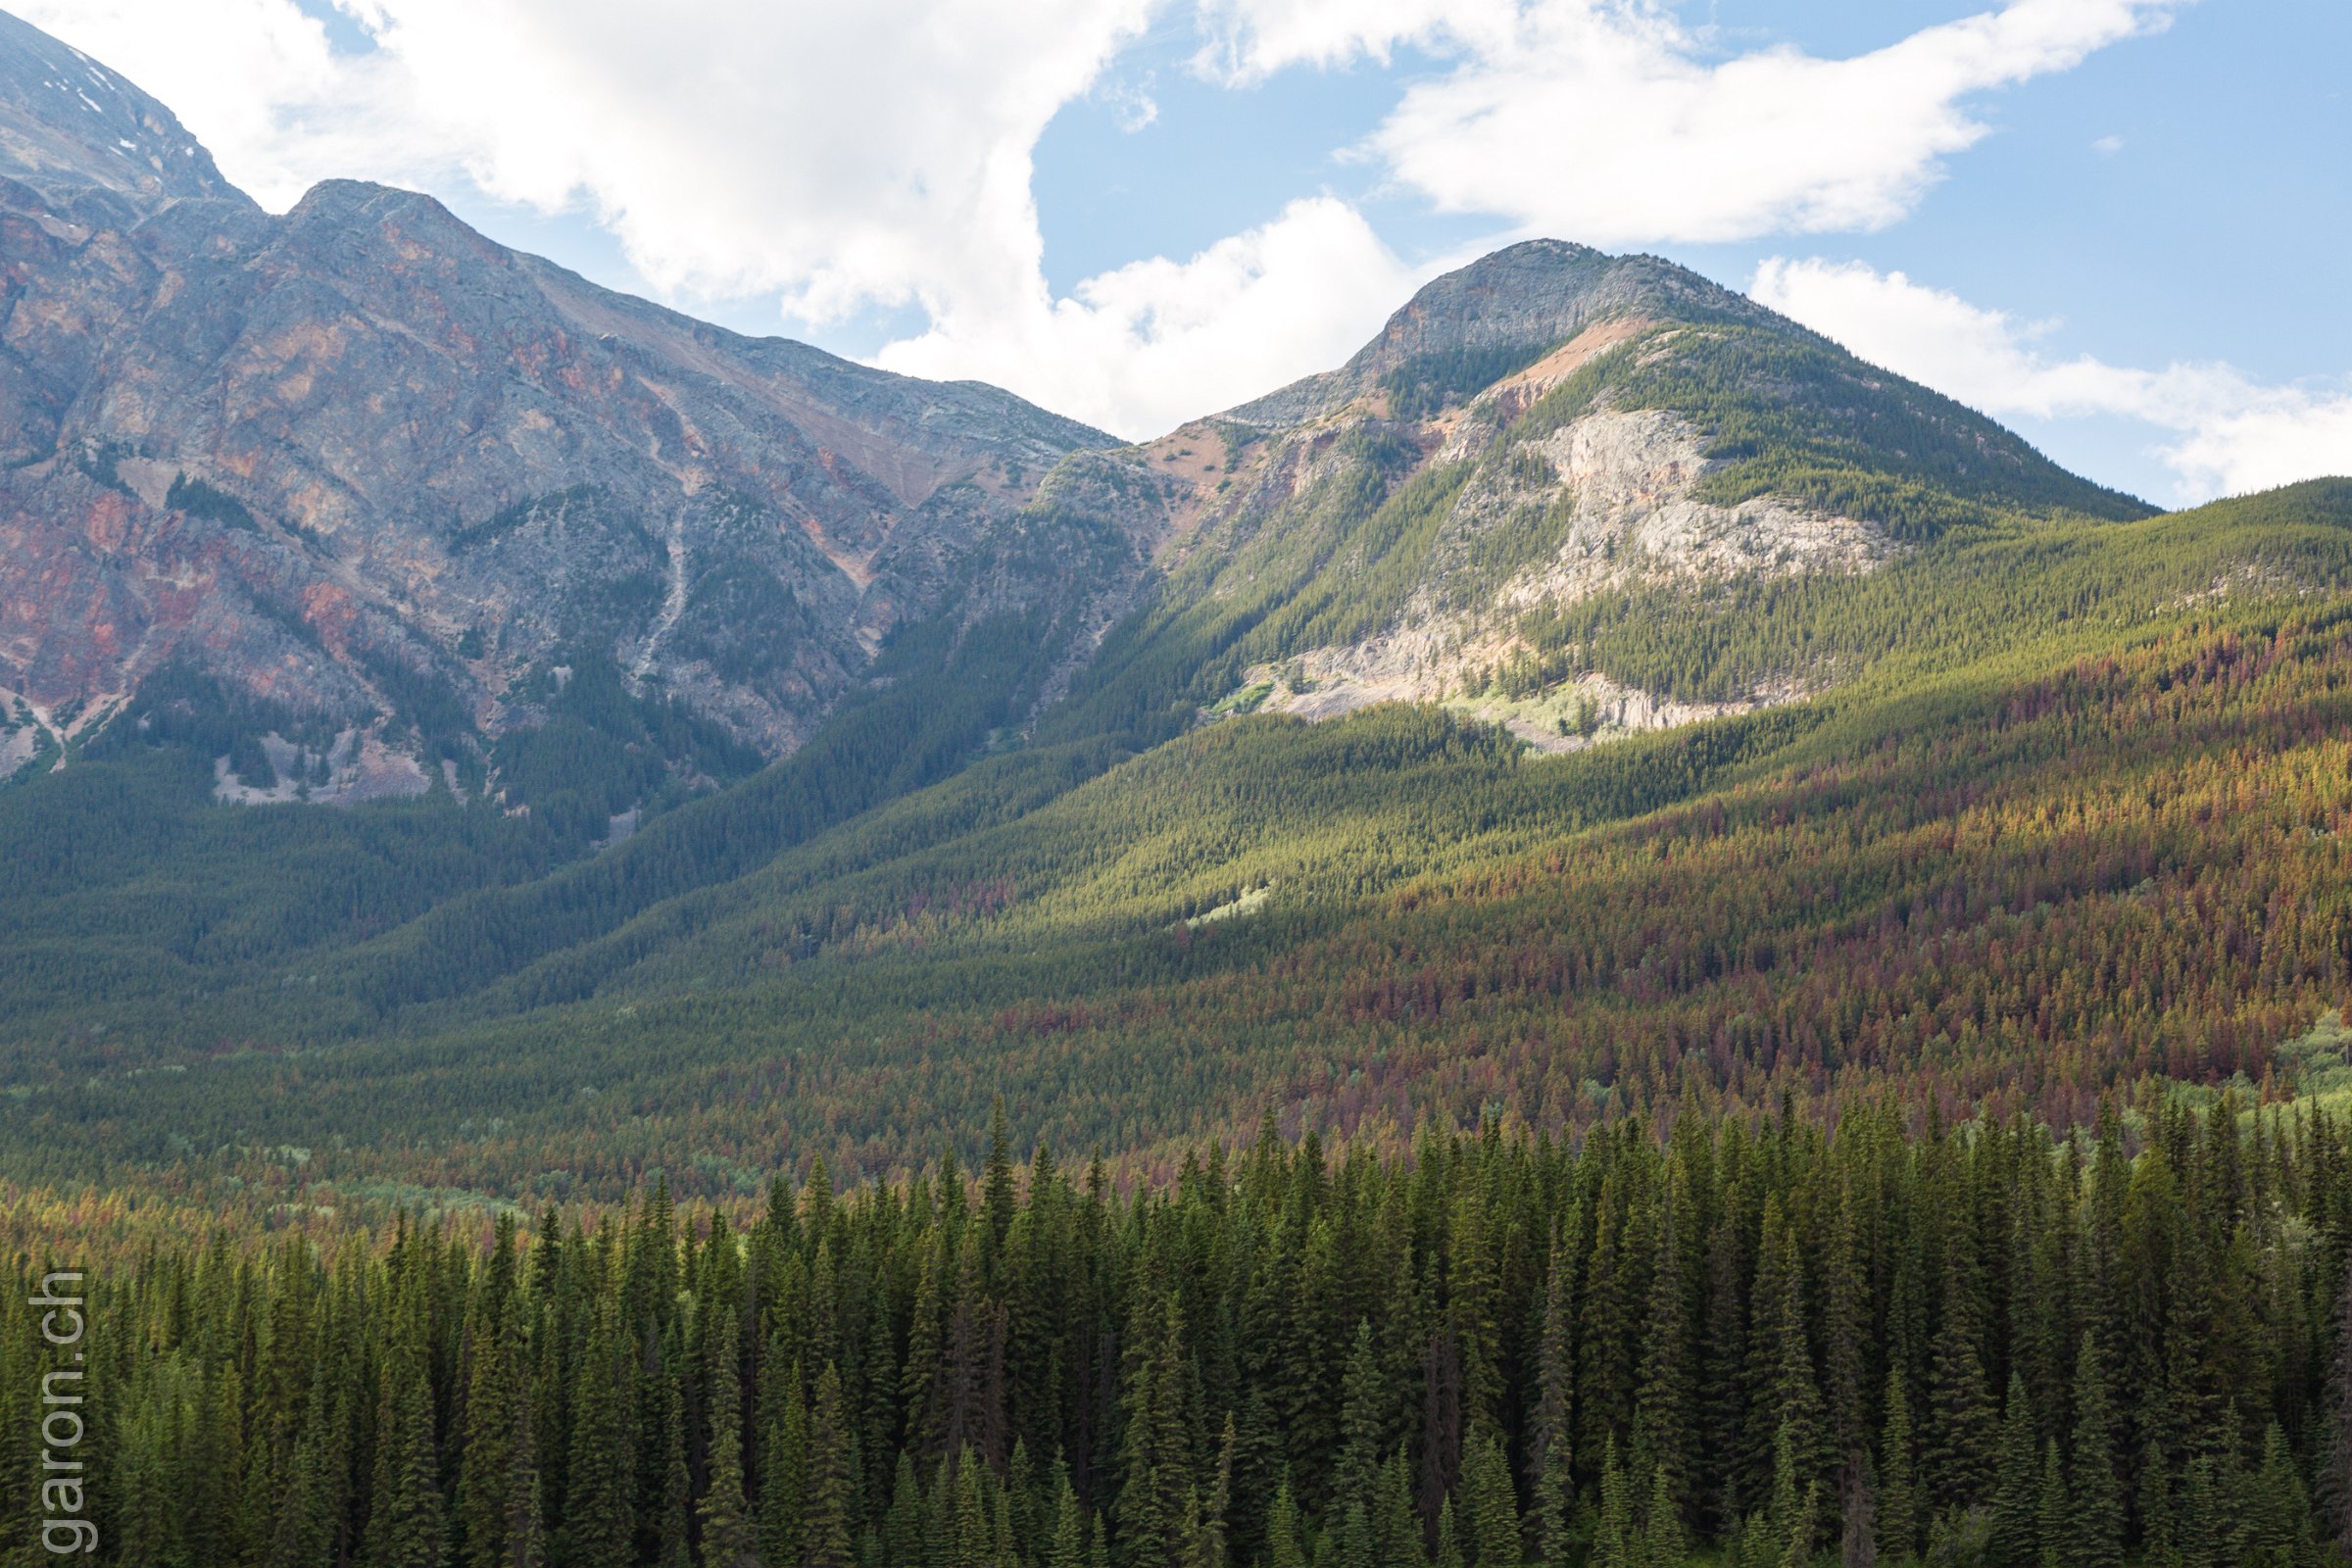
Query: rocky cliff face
x=373, y=475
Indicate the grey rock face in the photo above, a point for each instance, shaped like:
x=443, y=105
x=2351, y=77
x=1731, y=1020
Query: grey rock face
x=360, y=461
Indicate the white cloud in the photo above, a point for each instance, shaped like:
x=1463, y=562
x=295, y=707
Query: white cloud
x=1131, y=104
x=1606, y=121
x=1252, y=39
x=2222, y=432
x=1141, y=349
x=839, y=154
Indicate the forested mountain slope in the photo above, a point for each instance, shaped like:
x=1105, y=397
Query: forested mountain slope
x=2107, y=844
x=1382, y=530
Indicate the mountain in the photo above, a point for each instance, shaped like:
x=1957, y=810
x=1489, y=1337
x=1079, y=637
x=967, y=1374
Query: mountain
x=356, y=492
x=1536, y=451
x=1598, y=688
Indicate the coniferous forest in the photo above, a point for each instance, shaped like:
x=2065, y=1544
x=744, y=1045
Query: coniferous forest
x=1773, y=1341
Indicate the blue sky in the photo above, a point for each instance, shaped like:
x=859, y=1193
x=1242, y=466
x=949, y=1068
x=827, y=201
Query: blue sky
x=2119, y=226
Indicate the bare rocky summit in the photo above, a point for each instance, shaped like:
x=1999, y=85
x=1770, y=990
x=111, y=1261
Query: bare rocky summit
x=1538, y=293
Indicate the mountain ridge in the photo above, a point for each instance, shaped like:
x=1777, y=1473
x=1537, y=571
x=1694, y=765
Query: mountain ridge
x=379, y=476
x=1536, y=293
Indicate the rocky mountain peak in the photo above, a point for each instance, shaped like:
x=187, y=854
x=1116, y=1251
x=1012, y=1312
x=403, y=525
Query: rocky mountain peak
x=68, y=124
x=1527, y=297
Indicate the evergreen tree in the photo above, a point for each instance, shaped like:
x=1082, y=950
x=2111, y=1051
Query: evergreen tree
x=524, y=1532
x=1284, y=1548
x=1898, y=1507
x=1397, y=1539
x=599, y=1518
x=2158, y=1542
x=1551, y=1443
x=1662, y=1532
x=2278, y=1529
x=1365, y=1399
x=493, y=1395
x=1492, y=1502
x=1067, y=1547
x=1209, y=1534
x=666, y=1488
x=2334, y=1479
x=2097, y=1537
x=2201, y=1532
x=727, y=1536
x=784, y=1468
x=1793, y=1395
x=1159, y=1490
x=310, y=1508
x=407, y=1527
x=827, y=1522
x=2054, y=1525
x=1789, y=1522
x=971, y=1528
x=2017, y=1488
x=1614, y=1541
x=1797, y=1552
x=1661, y=1406
x=1449, y=1545
x=1957, y=1451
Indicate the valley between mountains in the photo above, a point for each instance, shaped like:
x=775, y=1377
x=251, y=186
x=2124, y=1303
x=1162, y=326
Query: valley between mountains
x=465, y=727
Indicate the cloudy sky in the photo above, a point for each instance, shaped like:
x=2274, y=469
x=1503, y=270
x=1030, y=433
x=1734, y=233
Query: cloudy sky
x=2120, y=225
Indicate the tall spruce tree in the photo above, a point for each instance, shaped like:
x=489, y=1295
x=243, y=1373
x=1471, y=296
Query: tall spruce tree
x=727, y=1534
x=407, y=1527
x=1492, y=1503
x=827, y=1526
x=2017, y=1486
x=2097, y=1537
x=784, y=1466
x=600, y=1514
x=1284, y=1546
x=1613, y=1536
x=2054, y=1524
x=1898, y=1498
x=1551, y=1439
